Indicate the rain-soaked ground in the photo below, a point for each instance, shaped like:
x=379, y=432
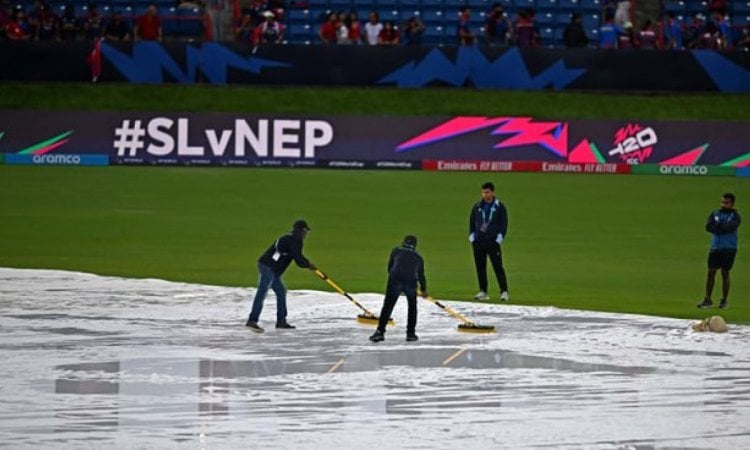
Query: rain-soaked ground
x=101, y=362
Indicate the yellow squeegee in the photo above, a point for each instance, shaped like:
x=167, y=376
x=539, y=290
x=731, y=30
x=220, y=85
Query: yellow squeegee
x=367, y=317
x=467, y=326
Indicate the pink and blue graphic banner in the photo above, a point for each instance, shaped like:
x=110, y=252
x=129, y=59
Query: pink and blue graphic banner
x=365, y=142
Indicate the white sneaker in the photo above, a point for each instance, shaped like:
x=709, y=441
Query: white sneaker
x=504, y=297
x=481, y=295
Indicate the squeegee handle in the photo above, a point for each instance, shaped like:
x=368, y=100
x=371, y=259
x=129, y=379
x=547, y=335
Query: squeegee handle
x=341, y=291
x=449, y=310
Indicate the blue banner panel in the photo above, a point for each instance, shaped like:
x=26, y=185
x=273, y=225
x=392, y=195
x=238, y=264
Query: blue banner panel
x=743, y=171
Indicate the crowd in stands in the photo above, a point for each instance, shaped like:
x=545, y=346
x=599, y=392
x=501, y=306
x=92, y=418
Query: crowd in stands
x=608, y=24
x=124, y=22
x=604, y=24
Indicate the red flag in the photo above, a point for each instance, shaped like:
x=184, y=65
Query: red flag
x=94, y=60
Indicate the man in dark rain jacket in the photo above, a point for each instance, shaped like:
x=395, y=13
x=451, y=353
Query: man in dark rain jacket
x=271, y=266
x=405, y=269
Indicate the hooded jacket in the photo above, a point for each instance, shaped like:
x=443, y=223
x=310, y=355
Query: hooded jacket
x=281, y=253
x=406, y=265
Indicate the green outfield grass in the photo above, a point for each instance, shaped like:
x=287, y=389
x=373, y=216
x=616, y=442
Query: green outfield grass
x=612, y=243
x=621, y=243
x=392, y=101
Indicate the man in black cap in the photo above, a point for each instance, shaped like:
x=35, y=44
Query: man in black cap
x=271, y=266
x=405, y=269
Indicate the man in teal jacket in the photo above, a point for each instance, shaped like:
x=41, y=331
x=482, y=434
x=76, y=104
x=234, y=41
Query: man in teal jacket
x=722, y=224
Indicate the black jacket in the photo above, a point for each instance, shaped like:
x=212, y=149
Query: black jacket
x=574, y=35
x=406, y=265
x=281, y=253
x=497, y=222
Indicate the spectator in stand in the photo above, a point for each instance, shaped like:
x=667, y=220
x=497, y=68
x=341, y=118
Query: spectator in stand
x=210, y=22
x=69, y=24
x=413, y=30
x=328, y=31
x=342, y=31
x=5, y=13
x=389, y=35
x=526, y=33
x=33, y=17
x=744, y=41
x=46, y=25
x=622, y=13
x=710, y=39
x=93, y=23
x=609, y=32
x=243, y=28
x=609, y=7
x=117, y=29
x=718, y=6
x=148, y=26
x=647, y=36
x=270, y=31
x=257, y=7
x=373, y=27
x=626, y=40
x=354, y=27
x=275, y=5
x=694, y=30
x=187, y=4
x=464, y=33
x=574, y=35
x=497, y=28
x=18, y=29
x=4, y=20
x=725, y=31
x=672, y=32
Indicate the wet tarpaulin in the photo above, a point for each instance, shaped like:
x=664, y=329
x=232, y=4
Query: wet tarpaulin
x=103, y=362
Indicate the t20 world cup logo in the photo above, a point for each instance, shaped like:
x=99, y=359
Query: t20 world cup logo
x=633, y=143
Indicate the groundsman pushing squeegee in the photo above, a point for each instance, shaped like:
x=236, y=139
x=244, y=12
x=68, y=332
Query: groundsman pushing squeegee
x=467, y=326
x=368, y=317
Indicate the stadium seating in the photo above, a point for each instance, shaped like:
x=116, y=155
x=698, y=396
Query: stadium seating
x=677, y=7
x=546, y=5
x=545, y=19
x=591, y=6
x=568, y=5
x=696, y=6
x=591, y=21
x=176, y=21
x=440, y=17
